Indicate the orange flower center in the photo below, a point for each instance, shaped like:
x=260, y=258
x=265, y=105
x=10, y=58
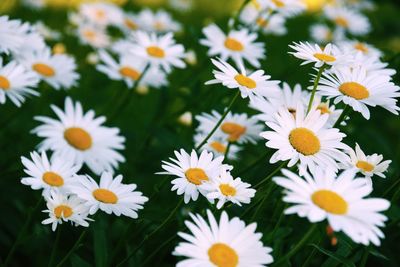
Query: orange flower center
x=155, y=51
x=105, y=196
x=234, y=130
x=219, y=147
x=129, y=73
x=342, y=22
x=44, y=69
x=53, y=179
x=63, y=211
x=365, y=166
x=196, y=176
x=78, y=138
x=227, y=190
x=223, y=255
x=4, y=83
x=354, y=90
x=245, y=81
x=330, y=202
x=130, y=24
x=304, y=141
x=361, y=47
x=233, y=44
x=324, y=57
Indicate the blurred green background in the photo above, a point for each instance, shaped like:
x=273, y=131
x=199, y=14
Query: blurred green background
x=150, y=125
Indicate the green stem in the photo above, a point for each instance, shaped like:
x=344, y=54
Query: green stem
x=342, y=116
x=155, y=251
x=364, y=258
x=311, y=256
x=219, y=122
x=316, y=81
x=252, y=165
x=55, y=245
x=391, y=187
x=22, y=232
x=227, y=150
x=151, y=234
x=270, y=175
x=74, y=247
x=236, y=17
x=262, y=203
x=298, y=246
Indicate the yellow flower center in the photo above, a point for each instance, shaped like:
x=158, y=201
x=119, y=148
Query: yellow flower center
x=62, y=211
x=234, y=130
x=100, y=14
x=324, y=108
x=233, y=44
x=155, y=51
x=227, y=190
x=365, y=166
x=196, y=176
x=262, y=22
x=43, y=69
x=105, y=196
x=361, y=47
x=78, y=138
x=89, y=34
x=159, y=26
x=342, y=22
x=324, y=57
x=278, y=3
x=223, y=255
x=53, y=179
x=330, y=202
x=4, y=83
x=304, y=141
x=59, y=48
x=130, y=24
x=219, y=147
x=256, y=4
x=129, y=73
x=245, y=81
x=354, y=90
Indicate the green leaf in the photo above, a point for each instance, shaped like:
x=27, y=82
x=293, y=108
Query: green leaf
x=334, y=256
x=100, y=243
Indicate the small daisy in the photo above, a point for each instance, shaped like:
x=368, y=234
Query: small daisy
x=227, y=189
x=217, y=145
x=110, y=196
x=81, y=138
x=359, y=89
x=330, y=54
x=368, y=165
x=59, y=70
x=238, y=128
x=62, y=208
x=288, y=8
x=101, y=14
x=158, y=50
x=47, y=174
x=341, y=200
x=12, y=34
x=181, y=5
x=159, y=22
x=351, y=47
x=325, y=107
x=274, y=24
x=288, y=99
x=95, y=37
x=129, y=69
x=223, y=243
x=193, y=170
x=46, y=32
x=250, y=85
x=321, y=33
x=305, y=139
x=237, y=45
x=16, y=83
x=348, y=19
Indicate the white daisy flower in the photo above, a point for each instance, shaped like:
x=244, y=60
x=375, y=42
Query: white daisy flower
x=101, y=14
x=181, y=5
x=237, y=45
x=59, y=70
x=110, y=196
x=131, y=23
x=62, y=208
x=341, y=200
x=322, y=34
x=359, y=89
x=218, y=145
x=12, y=34
x=227, y=189
x=348, y=19
x=46, y=32
x=81, y=138
x=238, y=128
x=288, y=99
x=158, y=50
x=16, y=83
x=372, y=65
x=193, y=170
x=46, y=174
x=330, y=54
x=305, y=139
x=159, y=22
x=93, y=36
x=250, y=85
x=273, y=24
x=351, y=47
x=223, y=243
x=368, y=165
x=287, y=8
x=325, y=107
x=129, y=69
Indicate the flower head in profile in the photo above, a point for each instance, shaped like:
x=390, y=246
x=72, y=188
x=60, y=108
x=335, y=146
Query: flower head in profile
x=65, y=208
x=93, y=36
x=47, y=174
x=81, y=138
x=229, y=242
x=193, y=170
x=349, y=20
x=101, y=14
x=158, y=51
x=236, y=45
x=313, y=53
x=16, y=83
x=250, y=85
x=341, y=200
x=218, y=145
x=110, y=195
x=305, y=139
x=225, y=188
x=12, y=34
x=159, y=21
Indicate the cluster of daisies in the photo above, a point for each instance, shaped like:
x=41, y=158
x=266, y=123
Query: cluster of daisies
x=76, y=139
